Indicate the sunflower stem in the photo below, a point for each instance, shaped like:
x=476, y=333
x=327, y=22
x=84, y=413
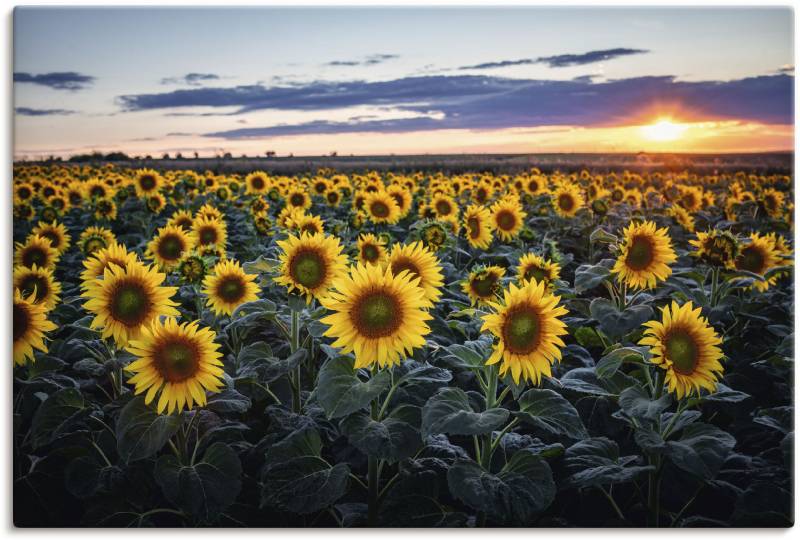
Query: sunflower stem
x=372, y=466
x=654, y=484
x=294, y=345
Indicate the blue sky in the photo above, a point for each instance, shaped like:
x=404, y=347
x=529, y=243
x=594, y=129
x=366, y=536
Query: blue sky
x=377, y=80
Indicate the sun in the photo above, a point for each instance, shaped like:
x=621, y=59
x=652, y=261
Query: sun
x=663, y=130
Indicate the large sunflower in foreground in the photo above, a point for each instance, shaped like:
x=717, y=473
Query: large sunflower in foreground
x=528, y=327
x=645, y=256
x=56, y=233
x=478, y=226
x=29, y=325
x=381, y=207
x=372, y=250
x=685, y=345
x=420, y=262
x=36, y=251
x=127, y=299
x=180, y=360
x=310, y=263
x=169, y=246
x=38, y=283
x=482, y=285
x=535, y=267
x=507, y=218
x=95, y=265
x=228, y=287
x=379, y=316
x=758, y=257
x=567, y=200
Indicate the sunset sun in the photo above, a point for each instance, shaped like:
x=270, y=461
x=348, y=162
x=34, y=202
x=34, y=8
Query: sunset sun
x=663, y=130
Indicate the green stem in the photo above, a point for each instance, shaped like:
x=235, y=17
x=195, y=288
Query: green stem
x=613, y=503
x=294, y=345
x=372, y=472
x=653, y=488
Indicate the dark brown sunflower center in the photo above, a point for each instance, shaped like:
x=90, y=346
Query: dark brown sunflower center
x=257, y=183
x=521, y=330
x=34, y=255
x=184, y=223
x=681, y=349
x=320, y=187
x=231, y=289
x=24, y=193
x=55, y=239
x=640, y=253
x=310, y=227
x=566, y=202
x=48, y=191
x=105, y=207
x=208, y=235
x=377, y=314
x=399, y=200
x=308, y=268
x=752, y=259
x=176, y=360
x=147, y=182
x=370, y=252
x=617, y=195
x=297, y=199
x=130, y=303
x=171, y=247
x=379, y=209
x=31, y=283
x=474, y=227
x=533, y=186
x=481, y=195
x=333, y=196
x=97, y=191
x=405, y=264
x=75, y=198
x=443, y=208
x=21, y=321
x=483, y=284
x=506, y=220
x=534, y=272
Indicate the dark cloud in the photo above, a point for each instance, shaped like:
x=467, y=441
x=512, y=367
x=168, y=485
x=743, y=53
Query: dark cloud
x=561, y=60
x=192, y=79
x=27, y=111
x=62, y=80
x=368, y=61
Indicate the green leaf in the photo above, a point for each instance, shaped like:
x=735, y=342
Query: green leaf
x=393, y=438
x=516, y=495
x=256, y=361
x=610, y=363
x=340, y=392
x=614, y=322
x=141, y=432
x=725, y=394
x=701, y=450
x=205, y=489
x=600, y=235
x=304, y=485
x=596, y=462
x=228, y=401
x=780, y=418
x=550, y=411
x=57, y=416
x=589, y=276
x=450, y=412
x=636, y=403
x=261, y=265
x=470, y=354
x=86, y=477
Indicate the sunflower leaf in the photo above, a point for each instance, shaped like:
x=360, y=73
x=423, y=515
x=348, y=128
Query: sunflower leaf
x=57, y=415
x=449, y=411
x=141, y=432
x=552, y=412
x=701, y=450
x=340, y=392
x=392, y=438
x=596, y=462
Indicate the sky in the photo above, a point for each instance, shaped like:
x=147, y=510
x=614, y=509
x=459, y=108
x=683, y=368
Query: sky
x=310, y=81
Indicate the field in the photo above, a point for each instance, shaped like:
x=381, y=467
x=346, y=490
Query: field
x=583, y=344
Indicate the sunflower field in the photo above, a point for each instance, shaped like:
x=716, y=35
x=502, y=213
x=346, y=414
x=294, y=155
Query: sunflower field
x=535, y=349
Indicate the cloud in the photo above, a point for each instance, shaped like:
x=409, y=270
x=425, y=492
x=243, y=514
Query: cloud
x=192, y=79
x=561, y=60
x=368, y=61
x=27, y=111
x=62, y=80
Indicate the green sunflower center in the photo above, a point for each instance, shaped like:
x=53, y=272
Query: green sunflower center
x=370, y=252
x=21, y=321
x=31, y=283
x=231, y=289
x=170, y=247
x=297, y=199
x=130, y=303
x=379, y=209
x=483, y=284
x=521, y=330
x=752, y=259
x=534, y=272
x=377, y=314
x=506, y=220
x=443, y=208
x=208, y=235
x=177, y=360
x=308, y=269
x=640, y=253
x=682, y=351
x=566, y=202
x=94, y=244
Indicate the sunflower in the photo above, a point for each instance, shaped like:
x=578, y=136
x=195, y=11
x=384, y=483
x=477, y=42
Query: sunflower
x=96, y=189
x=257, y=183
x=310, y=263
x=228, y=287
x=36, y=251
x=94, y=239
x=685, y=346
x=372, y=250
x=75, y=194
x=169, y=246
x=444, y=206
x=759, y=256
x=483, y=284
x=381, y=207
x=180, y=360
x=378, y=315
x=420, y=262
x=209, y=232
x=533, y=267
x=56, y=233
x=23, y=192
x=528, y=327
x=302, y=222
x=567, y=200
x=29, y=325
x=478, y=226
x=148, y=182
x=105, y=209
x=773, y=202
x=645, y=256
x=95, y=265
x=192, y=269
x=507, y=218
x=39, y=283
x=298, y=198
x=682, y=217
x=332, y=197
x=127, y=299
x=717, y=248
x=402, y=197
x=182, y=219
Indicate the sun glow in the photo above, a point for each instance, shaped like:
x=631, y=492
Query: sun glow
x=663, y=130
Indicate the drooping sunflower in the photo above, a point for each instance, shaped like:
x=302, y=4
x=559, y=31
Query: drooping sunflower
x=180, y=360
x=36, y=251
x=535, y=267
x=128, y=299
x=209, y=232
x=758, y=256
x=379, y=316
x=310, y=263
x=372, y=250
x=169, y=246
x=567, y=199
x=528, y=329
x=148, y=182
x=685, y=346
x=381, y=207
x=717, y=248
x=228, y=287
x=192, y=269
x=95, y=238
x=482, y=285
x=420, y=262
x=478, y=226
x=39, y=284
x=56, y=233
x=95, y=264
x=645, y=256
x=29, y=326
x=507, y=218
